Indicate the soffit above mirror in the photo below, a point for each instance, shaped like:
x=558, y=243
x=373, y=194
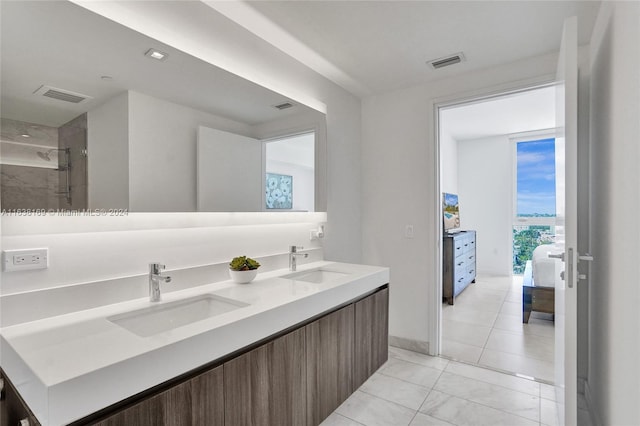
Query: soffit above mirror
x=67, y=47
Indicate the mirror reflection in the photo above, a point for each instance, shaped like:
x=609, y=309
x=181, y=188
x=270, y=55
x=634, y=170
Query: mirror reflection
x=116, y=120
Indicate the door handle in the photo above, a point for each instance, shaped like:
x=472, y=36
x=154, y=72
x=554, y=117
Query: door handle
x=556, y=256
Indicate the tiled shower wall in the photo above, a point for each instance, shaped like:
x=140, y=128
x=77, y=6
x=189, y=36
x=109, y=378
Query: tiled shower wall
x=24, y=187
x=27, y=187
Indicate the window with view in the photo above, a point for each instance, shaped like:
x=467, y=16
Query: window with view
x=535, y=199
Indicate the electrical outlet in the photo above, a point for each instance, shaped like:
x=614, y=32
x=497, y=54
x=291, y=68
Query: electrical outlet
x=316, y=234
x=27, y=259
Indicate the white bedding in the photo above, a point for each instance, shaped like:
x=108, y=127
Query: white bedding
x=544, y=267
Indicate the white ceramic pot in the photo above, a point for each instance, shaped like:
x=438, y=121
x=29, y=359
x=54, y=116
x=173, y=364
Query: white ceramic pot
x=243, y=277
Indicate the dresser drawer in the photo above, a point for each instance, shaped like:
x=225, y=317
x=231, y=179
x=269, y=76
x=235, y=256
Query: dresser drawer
x=469, y=257
x=471, y=271
x=458, y=246
x=460, y=282
x=459, y=263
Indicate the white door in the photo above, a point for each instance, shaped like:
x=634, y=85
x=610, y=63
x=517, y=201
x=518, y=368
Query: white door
x=229, y=172
x=566, y=225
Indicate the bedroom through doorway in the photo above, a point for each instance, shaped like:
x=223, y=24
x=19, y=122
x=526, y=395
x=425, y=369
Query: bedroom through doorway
x=497, y=156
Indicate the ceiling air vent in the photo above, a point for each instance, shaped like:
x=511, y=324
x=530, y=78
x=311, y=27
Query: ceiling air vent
x=285, y=105
x=446, y=61
x=62, y=94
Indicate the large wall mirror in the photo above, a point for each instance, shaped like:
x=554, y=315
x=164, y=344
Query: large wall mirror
x=98, y=116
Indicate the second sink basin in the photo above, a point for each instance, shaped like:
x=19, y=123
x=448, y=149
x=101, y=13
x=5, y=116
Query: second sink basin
x=316, y=276
x=167, y=316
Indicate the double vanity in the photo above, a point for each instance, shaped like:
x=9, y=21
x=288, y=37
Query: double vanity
x=286, y=349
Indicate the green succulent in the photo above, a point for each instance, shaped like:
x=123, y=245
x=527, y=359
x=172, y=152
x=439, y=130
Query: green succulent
x=243, y=263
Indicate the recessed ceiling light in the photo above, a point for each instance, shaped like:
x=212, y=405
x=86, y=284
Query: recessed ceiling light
x=156, y=54
x=26, y=136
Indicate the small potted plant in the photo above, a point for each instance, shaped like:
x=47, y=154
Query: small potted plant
x=243, y=269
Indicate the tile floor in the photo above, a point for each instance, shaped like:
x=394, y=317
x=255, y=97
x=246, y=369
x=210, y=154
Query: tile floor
x=412, y=389
x=485, y=327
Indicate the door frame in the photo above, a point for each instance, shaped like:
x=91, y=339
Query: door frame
x=434, y=326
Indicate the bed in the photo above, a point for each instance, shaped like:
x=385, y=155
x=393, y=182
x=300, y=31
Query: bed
x=538, y=285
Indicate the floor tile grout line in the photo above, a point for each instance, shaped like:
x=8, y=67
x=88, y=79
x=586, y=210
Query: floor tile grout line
x=488, y=406
x=421, y=404
x=431, y=415
x=503, y=387
x=402, y=359
x=511, y=288
x=406, y=381
x=521, y=355
x=393, y=402
x=347, y=417
x=425, y=398
x=498, y=370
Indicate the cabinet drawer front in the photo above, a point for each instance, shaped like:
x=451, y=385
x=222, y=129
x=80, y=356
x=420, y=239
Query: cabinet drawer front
x=460, y=262
x=471, y=271
x=459, y=284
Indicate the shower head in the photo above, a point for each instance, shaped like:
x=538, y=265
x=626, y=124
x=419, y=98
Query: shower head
x=44, y=155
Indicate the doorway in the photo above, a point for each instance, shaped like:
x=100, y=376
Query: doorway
x=479, y=162
x=290, y=165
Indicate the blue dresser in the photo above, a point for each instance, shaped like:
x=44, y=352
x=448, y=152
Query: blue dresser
x=458, y=263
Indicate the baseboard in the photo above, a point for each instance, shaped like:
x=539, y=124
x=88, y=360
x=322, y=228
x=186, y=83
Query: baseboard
x=596, y=420
x=409, y=344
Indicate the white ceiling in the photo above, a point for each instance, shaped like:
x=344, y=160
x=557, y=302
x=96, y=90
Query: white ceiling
x=63, y=45
x=522, y=112
x=383, y=45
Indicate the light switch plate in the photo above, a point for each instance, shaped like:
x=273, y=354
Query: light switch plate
x=25, y=259
x=408, y=231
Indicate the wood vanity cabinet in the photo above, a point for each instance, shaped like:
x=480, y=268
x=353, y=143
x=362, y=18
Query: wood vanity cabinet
x=295, y=378
x=198, y=401
x=330, y=358
x=371, y=335
x=267, y=386
x=13, y=410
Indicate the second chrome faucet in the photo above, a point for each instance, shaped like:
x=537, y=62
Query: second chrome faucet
x=293, y=256
x=155, y=276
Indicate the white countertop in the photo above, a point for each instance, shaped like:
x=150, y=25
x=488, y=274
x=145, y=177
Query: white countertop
x=69, y=366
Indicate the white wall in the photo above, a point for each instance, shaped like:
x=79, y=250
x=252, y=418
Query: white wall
x=400, y=185
x=315, y=122
x=448, y=161
x=108, y=154
x=614, y=293
x=162, y=153
x=295, y=156
x=485, y=188
x=204, y=33
x=79, y=256
x=201, y=35
x=229, y=172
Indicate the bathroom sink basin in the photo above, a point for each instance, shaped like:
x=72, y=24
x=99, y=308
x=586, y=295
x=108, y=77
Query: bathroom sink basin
x=167, y=316
x=316, y=276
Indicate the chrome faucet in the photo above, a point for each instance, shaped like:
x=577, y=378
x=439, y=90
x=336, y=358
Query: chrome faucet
x=293, y=255
x=155, y=276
